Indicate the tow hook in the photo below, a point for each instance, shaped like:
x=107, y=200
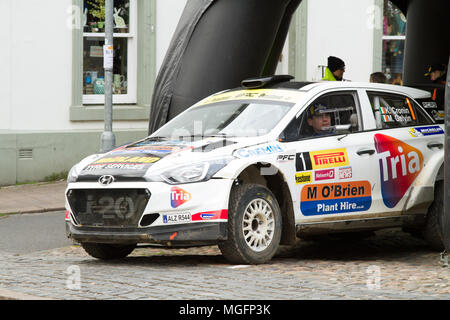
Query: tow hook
x=444, y=259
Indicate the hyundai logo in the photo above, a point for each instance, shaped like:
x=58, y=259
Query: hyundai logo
x=106, y=180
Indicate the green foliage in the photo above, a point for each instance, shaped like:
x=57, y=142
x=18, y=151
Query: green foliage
x=97, y=9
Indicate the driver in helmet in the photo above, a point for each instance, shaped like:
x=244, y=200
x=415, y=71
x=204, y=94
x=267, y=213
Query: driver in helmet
x=319, y=120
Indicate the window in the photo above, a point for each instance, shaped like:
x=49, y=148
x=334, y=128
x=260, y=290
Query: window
x=141, y=35
x=249, y=118
x=394, y=26
x=330, y=114
x=125, y=52
x=394, y=111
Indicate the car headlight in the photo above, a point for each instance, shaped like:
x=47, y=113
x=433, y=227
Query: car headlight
x=73, y=174
x=76, y=169
x=195, y=172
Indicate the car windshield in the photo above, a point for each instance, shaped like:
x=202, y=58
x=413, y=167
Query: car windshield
x=244, y=118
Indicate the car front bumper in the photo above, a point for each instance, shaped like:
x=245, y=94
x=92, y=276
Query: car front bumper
x=194, y=213
x=185, y=234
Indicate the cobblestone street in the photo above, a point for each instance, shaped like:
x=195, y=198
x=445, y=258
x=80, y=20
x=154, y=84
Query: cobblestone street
x=390, y=265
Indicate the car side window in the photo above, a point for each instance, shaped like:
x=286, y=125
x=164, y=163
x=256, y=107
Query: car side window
x=338, y=109
x=396, y=111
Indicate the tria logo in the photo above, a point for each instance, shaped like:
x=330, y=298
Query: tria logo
x=400, y=164
x=178, y=196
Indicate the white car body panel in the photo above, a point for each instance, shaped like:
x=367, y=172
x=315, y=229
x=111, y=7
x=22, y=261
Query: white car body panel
x=339, y=184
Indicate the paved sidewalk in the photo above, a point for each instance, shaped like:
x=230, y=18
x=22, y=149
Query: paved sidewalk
x=32, y=198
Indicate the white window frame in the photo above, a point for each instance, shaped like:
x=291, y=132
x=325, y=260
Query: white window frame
x=132, y=36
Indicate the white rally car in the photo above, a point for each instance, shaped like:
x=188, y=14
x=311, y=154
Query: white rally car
x=246, y=169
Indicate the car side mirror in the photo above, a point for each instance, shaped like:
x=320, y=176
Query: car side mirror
x=342, y=128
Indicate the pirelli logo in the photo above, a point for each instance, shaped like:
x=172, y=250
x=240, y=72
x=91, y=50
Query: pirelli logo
x=321, y=159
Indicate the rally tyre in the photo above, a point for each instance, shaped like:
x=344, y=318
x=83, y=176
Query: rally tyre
x=254, y=225
x=106, y=251
x=432, y=230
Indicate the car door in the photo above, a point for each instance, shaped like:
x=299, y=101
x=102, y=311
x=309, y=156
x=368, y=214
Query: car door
x=405, y=140
x=334, y=174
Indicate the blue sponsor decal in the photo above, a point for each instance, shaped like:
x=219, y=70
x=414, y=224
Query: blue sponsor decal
x=207, y=216
x=245, y=153
x=427, y=131
x=333, y=198
x=333, y=206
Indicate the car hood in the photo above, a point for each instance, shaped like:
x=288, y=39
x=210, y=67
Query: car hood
x=133, y=161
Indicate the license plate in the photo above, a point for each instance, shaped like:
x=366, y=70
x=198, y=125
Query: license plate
x=177, y=218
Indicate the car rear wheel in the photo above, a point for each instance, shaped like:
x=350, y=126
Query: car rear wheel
x=106, y=251
x=254, y=225
x=432, y=230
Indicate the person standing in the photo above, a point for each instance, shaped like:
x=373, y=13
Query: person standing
x=378, y=77
x=334, y=70
x=438, y=75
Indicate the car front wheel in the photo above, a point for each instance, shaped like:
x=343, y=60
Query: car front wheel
x=254, y=225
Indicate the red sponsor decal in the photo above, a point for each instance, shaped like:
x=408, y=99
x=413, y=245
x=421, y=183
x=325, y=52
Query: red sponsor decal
x=324, y=174
x=210, y=215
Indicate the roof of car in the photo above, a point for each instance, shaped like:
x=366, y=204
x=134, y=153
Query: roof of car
x=286, y=82
x=412, y=92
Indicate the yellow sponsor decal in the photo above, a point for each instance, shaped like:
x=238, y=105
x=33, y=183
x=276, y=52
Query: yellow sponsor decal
x=303, y=177
x=127, y=160
x=329, y=158
x=255, y=94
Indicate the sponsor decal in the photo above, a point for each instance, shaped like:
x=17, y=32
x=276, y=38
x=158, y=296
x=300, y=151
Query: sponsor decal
x=438, y=115
x=254, y=94
x=246, y=153
x=320, y=199
x=178, y=197
x=286, y=157
x=345, y=173
x=303, y=162
x=134, y=162
x=118, y=166
x=400, y=164
x=126, y=159
x=324, y=174
x=304, y=177
x=176, y=218
x=210, y=215
x=321, y=159
x=425, y=131
x=164, y=150
x=429, y=105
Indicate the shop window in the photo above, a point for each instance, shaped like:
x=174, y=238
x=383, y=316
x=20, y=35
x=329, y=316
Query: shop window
x=394, y=27
x=125, y=51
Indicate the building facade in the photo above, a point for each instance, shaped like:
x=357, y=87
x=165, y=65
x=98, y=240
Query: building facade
x=51, y=69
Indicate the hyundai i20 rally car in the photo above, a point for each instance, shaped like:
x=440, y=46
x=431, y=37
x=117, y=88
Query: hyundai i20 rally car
x=251, y=168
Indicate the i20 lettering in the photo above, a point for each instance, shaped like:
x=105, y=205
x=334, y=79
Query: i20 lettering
x=333, y=198
x=400, y=164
